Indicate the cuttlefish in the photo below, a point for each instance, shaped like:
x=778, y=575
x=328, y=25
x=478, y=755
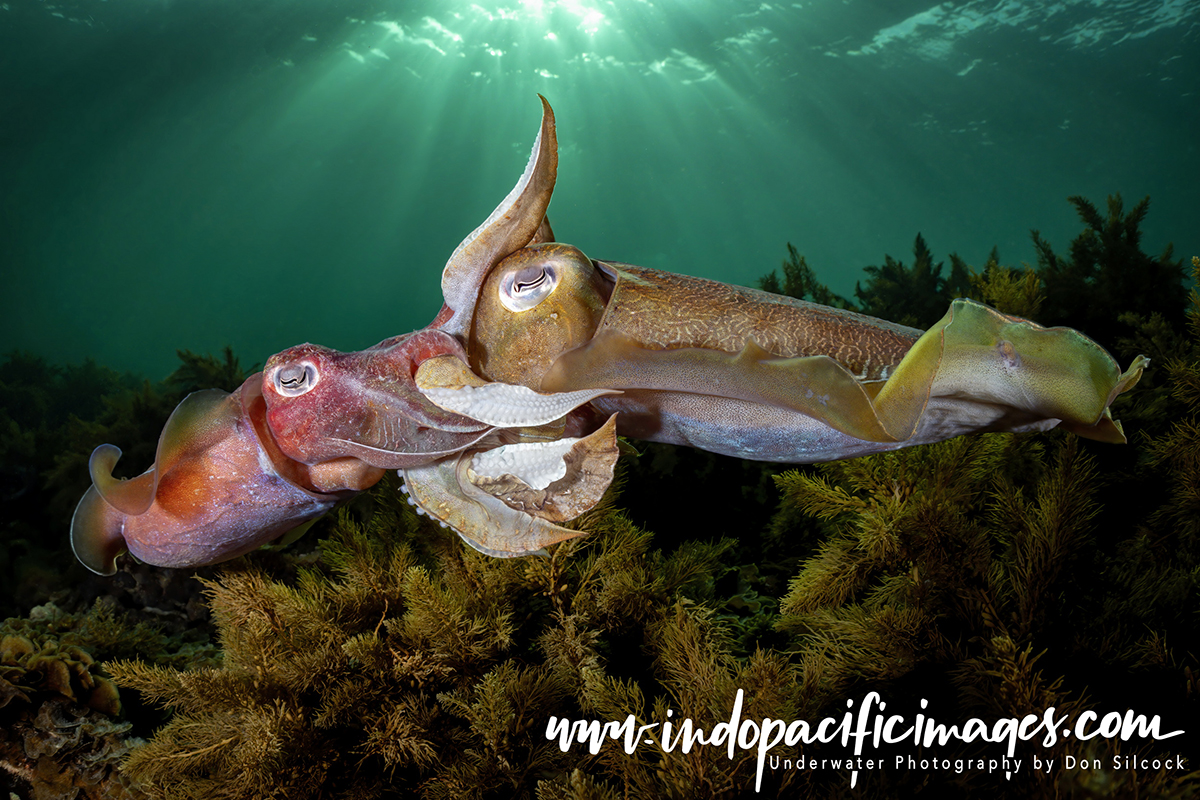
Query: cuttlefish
x=219, y=487
x=744, y=372
x=502, y=414
x=235, y=471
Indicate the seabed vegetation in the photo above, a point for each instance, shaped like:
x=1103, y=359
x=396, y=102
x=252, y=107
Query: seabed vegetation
x=994, y=575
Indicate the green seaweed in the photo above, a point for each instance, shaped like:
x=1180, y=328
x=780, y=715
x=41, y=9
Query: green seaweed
x=993, y=575
x=1107, y=274
x=1008, y=290
x=404, y=662
x=996, y=565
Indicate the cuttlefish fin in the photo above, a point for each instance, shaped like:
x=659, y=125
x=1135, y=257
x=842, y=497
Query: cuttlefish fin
x=1107, y=429
x=449, y=384
x=96, y=533
x=511, y=226
x=1048, y=373
x=487, y=499
x=817, y=386
x=191, y=421
x=1004, y=370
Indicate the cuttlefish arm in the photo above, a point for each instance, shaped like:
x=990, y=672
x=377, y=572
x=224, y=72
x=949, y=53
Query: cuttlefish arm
x=518, y=219
x=505, y=501
x=477, y=463
x=448, y=383
x=219, y=488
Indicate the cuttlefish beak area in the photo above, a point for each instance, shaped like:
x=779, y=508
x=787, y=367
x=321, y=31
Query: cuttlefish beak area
x=536, y=304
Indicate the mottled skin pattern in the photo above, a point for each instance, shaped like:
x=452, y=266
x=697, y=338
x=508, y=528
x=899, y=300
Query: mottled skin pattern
x=365, y=404
x=756, y=375
x=663, y=310
x=674, y=359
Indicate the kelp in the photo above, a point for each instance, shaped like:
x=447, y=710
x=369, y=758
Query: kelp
x=965, y=573
x=1008, y=290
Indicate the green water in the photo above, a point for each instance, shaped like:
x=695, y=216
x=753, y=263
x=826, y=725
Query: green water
x=194, y=173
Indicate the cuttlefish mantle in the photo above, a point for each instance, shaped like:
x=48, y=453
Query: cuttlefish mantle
x=744, y=372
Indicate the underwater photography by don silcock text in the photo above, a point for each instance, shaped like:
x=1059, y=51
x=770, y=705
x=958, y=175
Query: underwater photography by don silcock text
x=680, y=486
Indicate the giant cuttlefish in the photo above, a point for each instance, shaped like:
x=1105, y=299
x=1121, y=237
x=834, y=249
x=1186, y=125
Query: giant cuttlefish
x=502, y=414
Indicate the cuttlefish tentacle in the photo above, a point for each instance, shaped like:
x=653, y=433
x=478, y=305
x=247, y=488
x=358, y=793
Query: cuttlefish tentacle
x=512, y=225
x=500, y=513
x=449, y=384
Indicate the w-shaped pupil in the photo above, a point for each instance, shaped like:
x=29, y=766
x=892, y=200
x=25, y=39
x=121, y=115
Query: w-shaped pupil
x=293, y=377
x=524, y=286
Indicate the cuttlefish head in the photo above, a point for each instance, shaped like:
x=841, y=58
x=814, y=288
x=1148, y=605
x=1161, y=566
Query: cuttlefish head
x=323, y=404
x=537, y=303
x=219, y=487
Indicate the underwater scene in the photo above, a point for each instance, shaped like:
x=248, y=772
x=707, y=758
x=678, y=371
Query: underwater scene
x=817, y=415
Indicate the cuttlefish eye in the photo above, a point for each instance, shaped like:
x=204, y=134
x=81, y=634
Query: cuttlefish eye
x=523, y=289
x=293, y=380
